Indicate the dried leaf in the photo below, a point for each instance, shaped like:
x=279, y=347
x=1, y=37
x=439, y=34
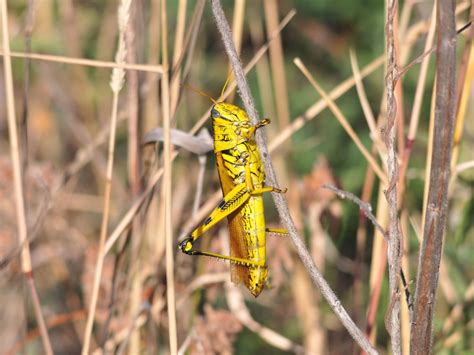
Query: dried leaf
x=200, y=144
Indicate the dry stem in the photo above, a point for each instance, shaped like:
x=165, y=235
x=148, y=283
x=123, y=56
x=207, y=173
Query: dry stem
x=435, y=219
x=18, y=184
x=166, y=185
x=116, y=84
x=393, y=313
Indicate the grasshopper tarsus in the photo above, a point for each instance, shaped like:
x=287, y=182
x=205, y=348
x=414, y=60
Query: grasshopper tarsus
x=186, y=246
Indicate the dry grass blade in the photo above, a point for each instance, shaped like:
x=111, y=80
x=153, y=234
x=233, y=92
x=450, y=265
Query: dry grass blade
x=177, y=54
x=280, y=202
x=369, y=115
x=277, y=64
x=415, y=114
x=343, y=121
x=299, y=122
x=87, y=62
x=462, y=109
x=199, y=144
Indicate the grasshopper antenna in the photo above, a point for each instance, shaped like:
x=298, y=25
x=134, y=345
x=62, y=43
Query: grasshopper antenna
x=200, y=92
x=225, y=84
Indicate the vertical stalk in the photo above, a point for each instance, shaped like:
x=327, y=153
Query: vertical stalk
x=393, y=313
x=18, y=181
x=116, y=84
x=166, y=184
x=437, y=204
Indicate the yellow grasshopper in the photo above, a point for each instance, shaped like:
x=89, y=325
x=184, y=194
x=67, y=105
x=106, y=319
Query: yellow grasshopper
x=242, y=178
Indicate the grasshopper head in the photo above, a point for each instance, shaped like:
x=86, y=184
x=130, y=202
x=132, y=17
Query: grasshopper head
x=229, y=114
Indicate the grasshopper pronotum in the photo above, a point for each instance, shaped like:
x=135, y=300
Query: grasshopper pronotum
x=242, y=178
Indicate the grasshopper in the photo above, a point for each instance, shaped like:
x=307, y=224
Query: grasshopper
x=242, y=179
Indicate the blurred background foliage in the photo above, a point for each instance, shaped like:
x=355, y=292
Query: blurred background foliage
x=69, y=105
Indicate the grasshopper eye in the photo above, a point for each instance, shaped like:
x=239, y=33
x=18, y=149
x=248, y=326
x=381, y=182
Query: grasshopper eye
x=215, y=113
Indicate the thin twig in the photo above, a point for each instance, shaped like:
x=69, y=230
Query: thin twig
x=280, y=201
x=401, y=72
x=18, y=184
x=367, y=210
x=364, y=206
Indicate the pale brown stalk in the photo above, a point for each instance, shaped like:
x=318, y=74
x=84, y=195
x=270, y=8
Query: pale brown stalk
x=18, y=184
x=192, y=35
x=150, y=104
x=177, y=54
x=466, y=73
x=263, y=67
x=280, y=92
x=364, y=102
x=378, y=265
x=87, y=62
x=166, y=185
x=116, y=84
x=418, y=99
x=237, y=32
x=361, y=245
x=133, y=170
x=277, y=64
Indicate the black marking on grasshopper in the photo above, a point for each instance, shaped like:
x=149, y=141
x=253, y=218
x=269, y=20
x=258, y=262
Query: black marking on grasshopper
x=223, y=205
x=207, y=221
